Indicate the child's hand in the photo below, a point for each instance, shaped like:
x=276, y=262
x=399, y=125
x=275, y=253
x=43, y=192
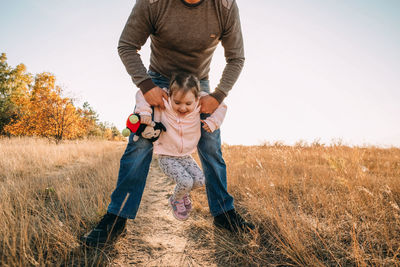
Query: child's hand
x=205, y=126
x=145, y=119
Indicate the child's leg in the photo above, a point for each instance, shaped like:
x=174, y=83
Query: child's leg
x=172, y=167
x=194, y=170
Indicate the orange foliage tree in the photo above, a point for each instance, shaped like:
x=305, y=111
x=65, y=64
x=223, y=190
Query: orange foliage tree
x=14, y=82
x=37, y=107
x=45, y=113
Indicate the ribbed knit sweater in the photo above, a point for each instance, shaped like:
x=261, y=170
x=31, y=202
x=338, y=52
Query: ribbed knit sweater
x=183, y=38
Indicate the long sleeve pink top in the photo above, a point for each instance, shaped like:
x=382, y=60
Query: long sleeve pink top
x=183, y=133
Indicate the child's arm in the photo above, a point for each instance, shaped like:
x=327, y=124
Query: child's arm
x=143, y=108
x=215, y=120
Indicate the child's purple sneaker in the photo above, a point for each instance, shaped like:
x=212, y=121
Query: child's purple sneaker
x=178, y=209
x=187, y=202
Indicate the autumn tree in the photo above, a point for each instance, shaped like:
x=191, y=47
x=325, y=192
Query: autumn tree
x=96, y=129
x=46, y=113
x=14, y=84
x=90, y=120
x=38, y=107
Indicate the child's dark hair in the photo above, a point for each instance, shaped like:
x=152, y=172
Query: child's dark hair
x=185, y=82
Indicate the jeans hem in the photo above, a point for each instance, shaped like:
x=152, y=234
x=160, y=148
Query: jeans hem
x=215, y=214
x=121, y=214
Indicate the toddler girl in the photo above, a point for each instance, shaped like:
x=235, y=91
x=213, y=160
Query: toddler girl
x=181, y=117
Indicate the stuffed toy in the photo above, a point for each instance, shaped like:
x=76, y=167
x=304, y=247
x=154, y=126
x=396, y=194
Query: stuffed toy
x=151, y=132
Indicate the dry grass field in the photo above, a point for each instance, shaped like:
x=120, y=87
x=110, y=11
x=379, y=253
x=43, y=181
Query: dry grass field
x=313, y=205
x=50, y=195
x=317, y=205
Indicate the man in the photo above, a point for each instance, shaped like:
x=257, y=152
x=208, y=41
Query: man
x=184, y=35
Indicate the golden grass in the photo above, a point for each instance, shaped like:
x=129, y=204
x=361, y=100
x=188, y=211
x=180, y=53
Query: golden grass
x=50, y=195
x=313, y=205
x=316, y=205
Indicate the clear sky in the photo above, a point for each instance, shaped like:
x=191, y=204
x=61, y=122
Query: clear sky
x=314, y=69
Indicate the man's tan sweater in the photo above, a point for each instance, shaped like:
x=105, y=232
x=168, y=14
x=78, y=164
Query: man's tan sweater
x=183, y=38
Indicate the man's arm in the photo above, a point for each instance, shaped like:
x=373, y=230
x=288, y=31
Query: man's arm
x=135, y=34
x=232, y=41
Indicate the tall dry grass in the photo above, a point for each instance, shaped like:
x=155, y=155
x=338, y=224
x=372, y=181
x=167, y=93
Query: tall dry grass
x=49, y=196
x=314, y=205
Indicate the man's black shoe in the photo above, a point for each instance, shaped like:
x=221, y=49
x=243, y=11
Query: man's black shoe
x=107, y=230
x=233, y=222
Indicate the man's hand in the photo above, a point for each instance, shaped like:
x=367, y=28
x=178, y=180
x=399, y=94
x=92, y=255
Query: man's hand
x=145, y=119
x=155, y=97
x=208, y=104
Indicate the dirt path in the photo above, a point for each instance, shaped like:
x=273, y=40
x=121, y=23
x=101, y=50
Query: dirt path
x=155, y=237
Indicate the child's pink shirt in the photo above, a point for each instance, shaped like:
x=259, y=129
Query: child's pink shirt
x=183, y=133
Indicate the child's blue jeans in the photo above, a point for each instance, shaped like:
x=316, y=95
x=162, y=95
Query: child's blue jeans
x=135, y=164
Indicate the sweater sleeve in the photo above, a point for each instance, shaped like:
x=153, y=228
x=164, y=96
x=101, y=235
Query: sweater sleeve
x=142, y=107
x=217, y=117
x=232, y=41
x=136, y=31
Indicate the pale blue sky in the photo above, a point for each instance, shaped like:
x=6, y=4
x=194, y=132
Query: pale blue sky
x=314, y=69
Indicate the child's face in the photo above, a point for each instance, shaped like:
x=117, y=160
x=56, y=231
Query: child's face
x=183, y=103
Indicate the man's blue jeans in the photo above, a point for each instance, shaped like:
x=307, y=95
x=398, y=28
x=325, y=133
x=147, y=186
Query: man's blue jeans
x=135, y=164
